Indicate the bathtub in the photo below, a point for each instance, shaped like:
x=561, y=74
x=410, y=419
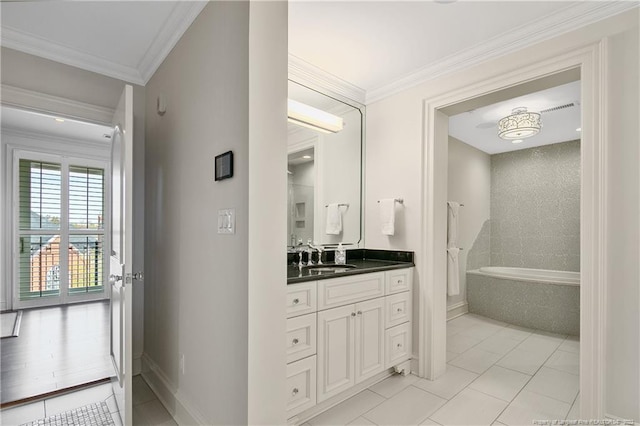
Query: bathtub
x=533, y=298
x=531, y=275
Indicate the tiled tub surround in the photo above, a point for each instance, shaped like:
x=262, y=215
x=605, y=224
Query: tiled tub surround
x=535, y=208
x=548, y=306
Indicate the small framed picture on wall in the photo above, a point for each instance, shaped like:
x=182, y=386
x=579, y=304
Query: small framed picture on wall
x=224, y=166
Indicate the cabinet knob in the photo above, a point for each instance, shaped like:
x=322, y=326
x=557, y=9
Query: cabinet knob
x=295, y=341
x=399, y=310
x=296, y=301
x=295, y=391
x=399, y=345
x=353, y=314
x=359, y=312
x=399, y=282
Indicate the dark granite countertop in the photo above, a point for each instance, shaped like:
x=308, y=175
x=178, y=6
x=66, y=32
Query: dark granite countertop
x=365, y=262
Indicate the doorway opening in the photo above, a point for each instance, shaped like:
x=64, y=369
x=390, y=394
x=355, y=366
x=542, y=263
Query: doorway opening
x=55, y=216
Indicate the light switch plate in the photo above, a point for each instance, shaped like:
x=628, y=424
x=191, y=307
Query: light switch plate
x=227, y=221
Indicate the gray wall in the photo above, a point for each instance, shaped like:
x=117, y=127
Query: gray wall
x=209, y=298
x=535, y=207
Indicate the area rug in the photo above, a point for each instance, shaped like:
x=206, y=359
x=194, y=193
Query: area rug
x=10, y=324
x=96, y=414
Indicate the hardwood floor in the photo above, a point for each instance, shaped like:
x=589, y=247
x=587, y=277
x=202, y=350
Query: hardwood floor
x=58, y=347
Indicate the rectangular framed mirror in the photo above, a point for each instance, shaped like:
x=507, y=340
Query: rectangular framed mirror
x=324, y=168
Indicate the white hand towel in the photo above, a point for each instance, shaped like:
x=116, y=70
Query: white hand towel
x=387, y=216
x=452, y=220
x=453, y=274
x=334, y=220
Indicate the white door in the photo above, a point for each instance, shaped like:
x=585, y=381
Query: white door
x=121, y=260
x=369, y=339
x=335, y=351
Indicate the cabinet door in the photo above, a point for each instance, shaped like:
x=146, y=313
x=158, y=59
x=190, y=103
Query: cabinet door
x=398, y=344
x=398, y=280
x=301, y=385
x=369, y=339
x=340, y=291
x=335, y=351
x=301, y=299
x=301, y=337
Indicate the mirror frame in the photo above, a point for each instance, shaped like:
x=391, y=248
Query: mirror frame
x=300, y=146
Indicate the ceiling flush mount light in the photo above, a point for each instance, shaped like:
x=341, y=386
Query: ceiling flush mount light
x=313, y=118
x=520, y=124
x=60, y=120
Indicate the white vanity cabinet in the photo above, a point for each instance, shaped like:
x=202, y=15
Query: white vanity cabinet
x=361, y=325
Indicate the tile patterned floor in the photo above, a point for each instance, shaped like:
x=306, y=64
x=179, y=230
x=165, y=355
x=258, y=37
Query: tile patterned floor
x=496, y=374
x=147, y=409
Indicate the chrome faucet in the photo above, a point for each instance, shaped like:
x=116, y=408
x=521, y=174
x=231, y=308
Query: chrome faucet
x=319, y=249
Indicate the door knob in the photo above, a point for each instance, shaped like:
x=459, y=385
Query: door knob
x=114, y=278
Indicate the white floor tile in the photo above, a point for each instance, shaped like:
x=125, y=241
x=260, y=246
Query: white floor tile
x=574, y=413
x=451, y=355
x=453, y=329
x=461, y=343
x=429, y=422
x=475, y=360
x=514, y=332
x=464, y=321
x=500, y=382
x=564, y=361
x=527, y=362
x=470, y=407
x=116, y=419
x=449, y=384
x=361, y=421
x=394, y=384
x=111, y=403
x=498, y=344
x=348, y=410
x=540, y=344
x=481, y=331
x=60, y=404
x=409, y=407
x=555, y=384
x=141, y=391
x=22, y=414
x=152, y=413
x=571, y=344
x=529, y=406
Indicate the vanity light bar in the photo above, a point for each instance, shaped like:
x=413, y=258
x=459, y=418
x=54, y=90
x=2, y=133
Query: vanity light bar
x=313, y=118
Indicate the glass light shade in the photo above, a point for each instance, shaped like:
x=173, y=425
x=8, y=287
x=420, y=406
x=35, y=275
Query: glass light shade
x=314, y=118
x=520, y=124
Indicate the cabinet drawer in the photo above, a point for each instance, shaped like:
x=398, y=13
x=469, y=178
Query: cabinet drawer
x=397, y=344
x=301, y=337
x=301, y=299
x=397, y=309
x=398, y=280
x=342, y=291
x=301, y=386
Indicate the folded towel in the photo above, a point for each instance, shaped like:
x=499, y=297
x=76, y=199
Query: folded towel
x=452, y=220
x=387, y=216
x=334, y=220
x=453, y=274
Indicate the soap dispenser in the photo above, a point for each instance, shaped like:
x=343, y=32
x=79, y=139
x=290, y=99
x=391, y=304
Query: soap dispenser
x=341, y=255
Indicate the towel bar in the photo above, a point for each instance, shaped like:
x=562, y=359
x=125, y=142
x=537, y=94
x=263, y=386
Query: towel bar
x=339, y=205
x=397, y=200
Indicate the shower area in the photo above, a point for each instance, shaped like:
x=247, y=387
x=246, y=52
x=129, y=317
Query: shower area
x=519, y=227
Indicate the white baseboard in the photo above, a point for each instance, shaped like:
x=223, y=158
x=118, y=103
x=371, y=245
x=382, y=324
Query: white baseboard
x=457, y=310
x=169, y=395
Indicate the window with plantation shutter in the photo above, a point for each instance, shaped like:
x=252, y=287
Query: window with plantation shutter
x=60, y=230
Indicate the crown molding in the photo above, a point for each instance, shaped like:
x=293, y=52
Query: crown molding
x=36, y=101
x=566, y=20
x=37, y=46
x=307, y=74
x=181, y=18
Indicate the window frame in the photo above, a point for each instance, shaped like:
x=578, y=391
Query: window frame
x=65, y=161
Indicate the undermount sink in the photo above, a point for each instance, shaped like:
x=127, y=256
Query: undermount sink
x=330, y=267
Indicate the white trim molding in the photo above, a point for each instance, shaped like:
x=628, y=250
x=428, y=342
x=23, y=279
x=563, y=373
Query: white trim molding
x=55, y=105
x=181, y=17
x=591, y=61
x=309, y=75
x=568, y=19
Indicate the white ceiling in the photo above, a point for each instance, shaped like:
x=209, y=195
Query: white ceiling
x=127, y=40
x=31, y=121
x=479, y=127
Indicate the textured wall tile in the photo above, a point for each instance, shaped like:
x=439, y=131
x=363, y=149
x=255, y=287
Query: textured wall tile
x=535, y=207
